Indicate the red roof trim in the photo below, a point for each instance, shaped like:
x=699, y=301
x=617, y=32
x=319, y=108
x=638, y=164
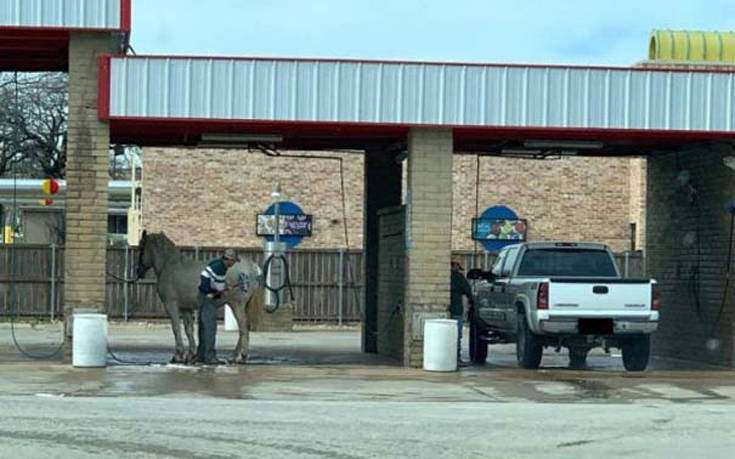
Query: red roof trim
x=463, y=127
x=175, y=130
x=407, y=62
x=125, y=15
x=103, y=88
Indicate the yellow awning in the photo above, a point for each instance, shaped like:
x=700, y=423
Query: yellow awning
x=692, y=46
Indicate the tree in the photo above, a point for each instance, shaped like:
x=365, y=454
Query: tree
x=33, y=124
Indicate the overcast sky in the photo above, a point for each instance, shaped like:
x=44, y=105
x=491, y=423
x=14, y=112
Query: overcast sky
x=593, y=32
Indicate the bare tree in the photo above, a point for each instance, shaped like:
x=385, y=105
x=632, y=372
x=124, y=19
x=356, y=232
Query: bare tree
x=33, y=124
x=33, y=128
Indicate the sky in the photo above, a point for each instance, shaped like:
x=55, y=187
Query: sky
x=577, y=32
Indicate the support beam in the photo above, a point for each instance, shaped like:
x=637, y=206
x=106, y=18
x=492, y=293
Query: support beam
x=428, y=234
x=382, y=190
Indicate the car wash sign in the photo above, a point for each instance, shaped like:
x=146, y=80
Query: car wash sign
x=497, y=227
x=293, y=224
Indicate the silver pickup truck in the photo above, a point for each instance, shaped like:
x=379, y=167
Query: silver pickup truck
x=562, y=294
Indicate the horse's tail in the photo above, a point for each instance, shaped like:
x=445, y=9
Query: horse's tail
x=254, y=308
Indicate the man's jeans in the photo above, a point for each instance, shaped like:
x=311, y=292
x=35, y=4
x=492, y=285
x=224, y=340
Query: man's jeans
x=208, y=327
x=460, y=323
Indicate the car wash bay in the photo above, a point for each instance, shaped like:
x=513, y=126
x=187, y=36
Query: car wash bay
x=681, y=120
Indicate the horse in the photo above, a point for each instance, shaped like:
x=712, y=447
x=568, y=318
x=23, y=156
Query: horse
x=178, y=282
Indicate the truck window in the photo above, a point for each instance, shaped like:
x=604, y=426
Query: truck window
x=510, y=261
x=498, y=265
x=567, y=262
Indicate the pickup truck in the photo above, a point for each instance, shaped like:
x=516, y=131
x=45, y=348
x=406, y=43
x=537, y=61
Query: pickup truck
x=562, y=294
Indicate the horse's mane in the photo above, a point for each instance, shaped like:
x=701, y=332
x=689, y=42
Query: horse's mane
x=165, y=245
x=163, y=242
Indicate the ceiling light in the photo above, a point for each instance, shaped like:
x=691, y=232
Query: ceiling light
x=565, y=144
x=240, y=138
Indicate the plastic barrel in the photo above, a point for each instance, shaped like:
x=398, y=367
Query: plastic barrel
x=89, y=346
x=440, y=345
x=230, y=320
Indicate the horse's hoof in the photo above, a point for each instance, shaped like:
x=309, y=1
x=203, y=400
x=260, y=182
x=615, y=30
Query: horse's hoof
x=242, y=360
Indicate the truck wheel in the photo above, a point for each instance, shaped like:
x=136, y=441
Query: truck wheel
x=528, y=347
x=578, y=357
x=478, y=347
x=636, y=352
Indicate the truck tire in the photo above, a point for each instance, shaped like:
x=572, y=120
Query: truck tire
x=528, y=347
x=478, y=347
x=636, y=353
x=578, y=356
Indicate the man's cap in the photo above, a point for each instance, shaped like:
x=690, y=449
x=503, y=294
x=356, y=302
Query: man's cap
x=230, y=254
x=456, y=259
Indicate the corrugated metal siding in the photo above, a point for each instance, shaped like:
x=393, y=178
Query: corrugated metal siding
x=92, y=14
x=405, y=93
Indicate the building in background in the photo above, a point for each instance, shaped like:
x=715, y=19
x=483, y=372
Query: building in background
x=38, y=223
x=209, y=197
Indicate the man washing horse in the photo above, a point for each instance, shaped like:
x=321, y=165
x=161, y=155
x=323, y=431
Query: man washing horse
x=229, y=281
x=212, y=286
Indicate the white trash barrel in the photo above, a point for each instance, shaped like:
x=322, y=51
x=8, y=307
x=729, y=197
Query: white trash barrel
x=440, y=345
x=230, y=320
x=89, y=340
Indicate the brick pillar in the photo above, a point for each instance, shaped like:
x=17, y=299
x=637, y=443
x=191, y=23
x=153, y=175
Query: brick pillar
x=87, y=178
x=428, y=234
x=382, y=190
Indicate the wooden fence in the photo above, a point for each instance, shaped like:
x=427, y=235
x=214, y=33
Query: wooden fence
x=327, y=284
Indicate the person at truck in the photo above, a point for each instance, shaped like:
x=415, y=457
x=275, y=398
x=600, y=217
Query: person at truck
x=459, y=288
x=211, y=290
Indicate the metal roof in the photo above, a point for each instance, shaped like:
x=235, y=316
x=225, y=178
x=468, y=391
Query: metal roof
x=66, y=14
x=275, y=95
x=34, y=34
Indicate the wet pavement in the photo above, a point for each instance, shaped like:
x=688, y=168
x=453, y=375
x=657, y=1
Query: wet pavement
x=326, y=364
x=313, y=394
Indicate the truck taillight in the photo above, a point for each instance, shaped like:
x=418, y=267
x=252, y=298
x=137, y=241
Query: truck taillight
x=655, y=298
x=542, y=298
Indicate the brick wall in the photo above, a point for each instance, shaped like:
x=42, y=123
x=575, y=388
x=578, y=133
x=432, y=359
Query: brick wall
x=687, y=245
x=593, y=199
x=211, y=197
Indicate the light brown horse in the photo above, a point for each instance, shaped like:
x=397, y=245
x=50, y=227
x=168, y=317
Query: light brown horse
x=178, y=282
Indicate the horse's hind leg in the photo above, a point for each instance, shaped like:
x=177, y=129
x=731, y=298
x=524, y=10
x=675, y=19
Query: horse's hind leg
x=188, y=317
x=241, y=350
x=173, y=312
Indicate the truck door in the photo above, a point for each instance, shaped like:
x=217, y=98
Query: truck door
x=506, y=291
x=488, y=301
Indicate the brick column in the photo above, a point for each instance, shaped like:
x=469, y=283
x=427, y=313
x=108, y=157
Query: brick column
x=428, y=234
x=382, y=190
x=87, y=176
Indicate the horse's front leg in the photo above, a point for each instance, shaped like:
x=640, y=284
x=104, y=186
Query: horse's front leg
x=238, y=309
x=190, y=355
x=173, y=312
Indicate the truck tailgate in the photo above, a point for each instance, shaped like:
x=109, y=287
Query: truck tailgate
x=599, y=295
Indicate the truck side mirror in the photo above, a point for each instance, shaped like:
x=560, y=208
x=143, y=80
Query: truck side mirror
x=479, y=274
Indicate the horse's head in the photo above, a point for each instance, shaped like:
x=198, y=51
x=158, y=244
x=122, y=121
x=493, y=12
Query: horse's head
x=156, y=246
x=145, y=257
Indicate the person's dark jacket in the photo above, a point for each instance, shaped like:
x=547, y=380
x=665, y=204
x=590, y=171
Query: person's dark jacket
x=459, y=287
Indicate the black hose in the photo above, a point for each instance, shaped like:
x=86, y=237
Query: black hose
x=277, y=289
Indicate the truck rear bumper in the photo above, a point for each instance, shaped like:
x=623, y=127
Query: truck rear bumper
x=620, y=326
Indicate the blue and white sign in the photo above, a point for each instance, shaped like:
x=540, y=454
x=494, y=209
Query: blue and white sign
x=497, y=227
x=293, y=223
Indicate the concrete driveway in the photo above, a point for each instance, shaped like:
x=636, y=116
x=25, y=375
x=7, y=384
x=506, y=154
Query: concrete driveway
x=312, y=393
